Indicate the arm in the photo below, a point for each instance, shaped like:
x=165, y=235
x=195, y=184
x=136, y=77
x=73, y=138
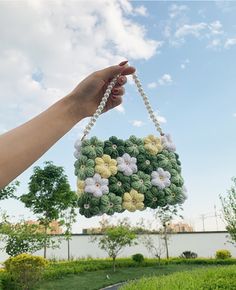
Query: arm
x=22, y=146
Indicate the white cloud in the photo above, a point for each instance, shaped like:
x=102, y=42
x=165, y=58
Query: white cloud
x=141, y=10
x=166, y=79
x=216, y=27
x=214, y=43
x=176, y=10
x=137, y=123
x=160, y=119
x=64, y=41
x=230, y=42
x=120, y=108
x=185, y=63
x=190, y=29
x=152, y=85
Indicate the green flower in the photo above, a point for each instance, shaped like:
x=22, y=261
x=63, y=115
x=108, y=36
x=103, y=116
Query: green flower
x=175, y=195
x=140, y=182
x=176, y=178
x=155, y=197
x=147, y=164
x=164, y=162
x=111, y=203
x=84, y=167
x=89, y=205
x=114, y=147
x=92, y=148
x=134, y=146
x=119, y=183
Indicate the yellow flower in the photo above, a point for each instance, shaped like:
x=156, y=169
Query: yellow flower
x=152, y=144
x=80, y=187
x=106, y=166
x=133, y=200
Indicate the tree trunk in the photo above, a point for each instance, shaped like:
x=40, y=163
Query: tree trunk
x=68, y=249
x=166, y=242
x=45, y=243
x=114, y=263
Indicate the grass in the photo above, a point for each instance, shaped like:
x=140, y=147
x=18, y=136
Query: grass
x=200, y=279
x=98, y=279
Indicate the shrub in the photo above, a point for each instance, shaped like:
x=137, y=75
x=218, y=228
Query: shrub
x=188, y=255
x=223, y=254
x=25, y=270
x=139, y=258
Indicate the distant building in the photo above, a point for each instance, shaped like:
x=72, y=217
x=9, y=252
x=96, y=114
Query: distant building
x=55, y=228
x=180, y=227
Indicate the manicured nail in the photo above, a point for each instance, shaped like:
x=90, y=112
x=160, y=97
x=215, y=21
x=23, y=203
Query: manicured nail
x=115, y=90
x=123, y=63
x=113, y=97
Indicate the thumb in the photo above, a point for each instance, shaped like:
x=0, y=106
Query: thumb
x=112, y=71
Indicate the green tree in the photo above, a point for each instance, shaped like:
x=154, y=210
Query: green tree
x=115, y=239
x=22, y=237
x=49, y=194
x=229, y=210
x=9, y=190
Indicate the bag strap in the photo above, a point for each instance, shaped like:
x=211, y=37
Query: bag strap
x=103, y=102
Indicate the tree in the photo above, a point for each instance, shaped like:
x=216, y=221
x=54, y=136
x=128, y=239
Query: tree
x=22, y=237
x=115, y=239
x=49, y=194
x=229, y=210
x=9, y=190
x=156, y=249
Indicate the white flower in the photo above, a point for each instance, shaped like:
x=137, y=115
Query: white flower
x=77, y=146
x=96, y=185
x=127, y=164
x=167, y=143
x=161, y=178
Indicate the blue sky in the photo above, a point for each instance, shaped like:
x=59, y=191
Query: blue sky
x=185, y=55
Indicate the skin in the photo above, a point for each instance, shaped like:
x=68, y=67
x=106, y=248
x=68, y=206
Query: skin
x=22, y=146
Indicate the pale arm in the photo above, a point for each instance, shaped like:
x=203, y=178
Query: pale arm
x=22, y=146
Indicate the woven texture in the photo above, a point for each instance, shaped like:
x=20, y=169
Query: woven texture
x=117, y=175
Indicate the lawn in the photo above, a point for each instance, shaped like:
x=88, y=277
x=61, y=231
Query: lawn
x=98, y=279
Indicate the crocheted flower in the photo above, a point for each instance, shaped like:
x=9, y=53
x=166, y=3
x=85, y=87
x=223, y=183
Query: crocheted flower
x=127, y=164
x=152, y=144
x=96, y=185
x=134, y=146
x=106, y=166
x=154, y=197
x=175, y=195
x=176, y=178
x=119, y=183
x=163, y=161
x=161, y=178
x=141, y=181
x=80, y=187
x=133, y=200
x=89, y=205
x=77, y=146
x=92, y=147
x=111, y=203
x=84, y=167
x=114, y=147
x=167, y=143
x=147, y=164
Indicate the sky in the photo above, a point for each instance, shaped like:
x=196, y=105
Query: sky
x=184, y=53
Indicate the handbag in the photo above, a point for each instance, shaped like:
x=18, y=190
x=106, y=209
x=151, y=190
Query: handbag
x=134, y=174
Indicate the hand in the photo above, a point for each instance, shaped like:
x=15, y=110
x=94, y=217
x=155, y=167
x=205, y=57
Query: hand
x=88, y=94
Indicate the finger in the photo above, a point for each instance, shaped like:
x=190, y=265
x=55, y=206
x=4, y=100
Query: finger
x=128, y=70
x=122, y=80
x=118, y=90
x=110, y=72
x=113, y=102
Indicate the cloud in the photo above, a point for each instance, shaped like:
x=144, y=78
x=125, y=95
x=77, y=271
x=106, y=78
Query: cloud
x=214, y=43
x=120, y=108
x=216, y=27
x=152, y=85
x=160, y=119
x=166, y=79
x=230, y=42
x=52, y=46
x=190, y=29
x=137, y=123
x=185, y=63
x=176, y=10
x=141, y=10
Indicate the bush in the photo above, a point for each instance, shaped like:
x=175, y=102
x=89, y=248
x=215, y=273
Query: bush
x=223, y=254
x=204, y=279
x=24, y=271
x=188, y=255
x=139, y=258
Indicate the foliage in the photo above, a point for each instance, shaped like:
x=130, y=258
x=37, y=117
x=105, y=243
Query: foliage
x=22, y=237
x=155, y=248
x=139, y=258
x=188, y=255
x=25, y=270
x=115, y=239
x=229, y=210
x=9, y=190
x=202, y=279
x=49, y=194
x=223, y=254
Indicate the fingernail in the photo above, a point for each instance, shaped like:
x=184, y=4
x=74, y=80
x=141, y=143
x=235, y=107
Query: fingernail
x=113, y=97
x=123, y=63
x=115, y=90
x=122, y=79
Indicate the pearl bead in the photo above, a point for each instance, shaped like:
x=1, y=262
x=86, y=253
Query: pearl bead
x=103, y=103
x=106, y=95
x=109, y=87
x=112, y=84
x=108, y=91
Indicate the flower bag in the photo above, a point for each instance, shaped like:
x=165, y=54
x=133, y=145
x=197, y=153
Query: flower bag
x=117, y=175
